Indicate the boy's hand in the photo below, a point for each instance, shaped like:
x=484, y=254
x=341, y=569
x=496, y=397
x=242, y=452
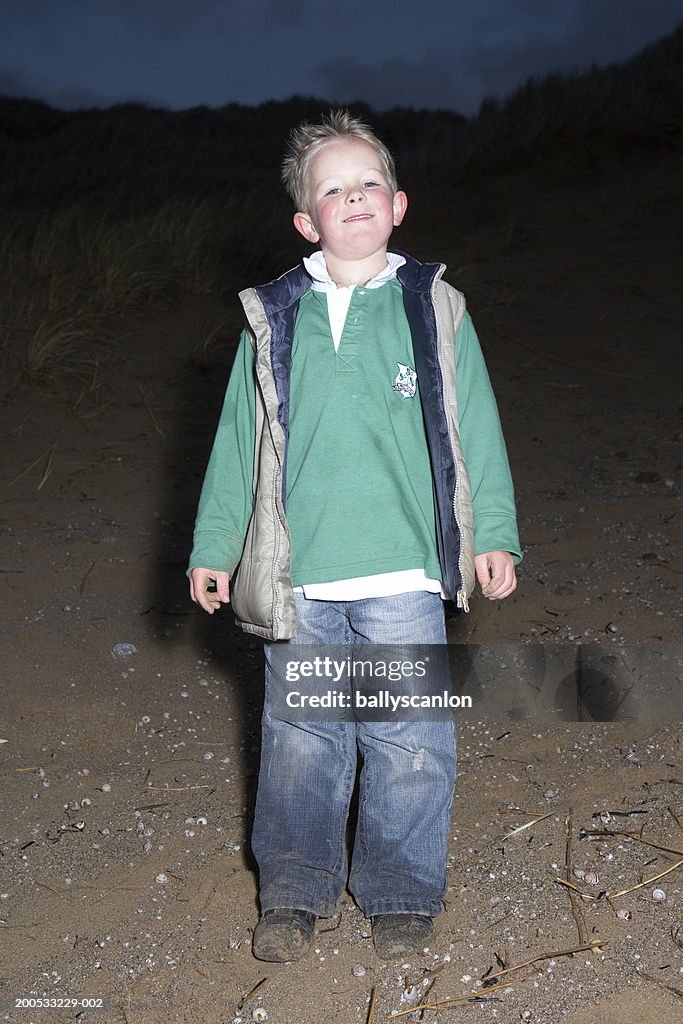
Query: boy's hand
x=209, y=600
x=496, y=574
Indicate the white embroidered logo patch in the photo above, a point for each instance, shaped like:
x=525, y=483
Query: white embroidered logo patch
x=405, y=381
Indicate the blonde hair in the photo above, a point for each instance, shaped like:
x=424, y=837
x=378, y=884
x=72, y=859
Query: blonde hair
x=306, y=141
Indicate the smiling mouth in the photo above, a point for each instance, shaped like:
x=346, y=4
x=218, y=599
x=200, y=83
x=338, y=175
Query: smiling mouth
x=357, y=216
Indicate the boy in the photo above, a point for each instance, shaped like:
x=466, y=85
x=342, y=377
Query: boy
x=354, y=487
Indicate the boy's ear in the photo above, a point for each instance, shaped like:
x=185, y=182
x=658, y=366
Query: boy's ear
x=400, y=207
x=304, y=225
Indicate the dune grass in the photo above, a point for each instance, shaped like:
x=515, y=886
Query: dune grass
x=68, y=349
x=70, y=277
x=102, y=212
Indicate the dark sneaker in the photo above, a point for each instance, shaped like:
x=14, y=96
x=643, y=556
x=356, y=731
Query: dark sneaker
x=397, y=935
x=283, y=934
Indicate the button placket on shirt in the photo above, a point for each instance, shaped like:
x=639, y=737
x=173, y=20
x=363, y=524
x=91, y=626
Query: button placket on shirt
x=354, y=328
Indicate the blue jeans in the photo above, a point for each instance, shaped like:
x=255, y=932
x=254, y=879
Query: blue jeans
x=308, y=772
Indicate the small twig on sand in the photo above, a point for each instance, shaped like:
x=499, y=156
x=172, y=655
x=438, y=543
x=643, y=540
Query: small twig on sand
x=662, y=984
x=521, y=828
x=467, y=998
x=177, y=789
x=675, y=818
x=622, y=892
x=633, y=835
x=48, y=466
x=85, y=578
x=145, y=397
x=49, y=888
x=648, y=881
x=117, y=888
x=518, y=810
x=427, y=974
x=575, y=888
x=595, y=946
x=252, y=991
x=428, y=989
x=581, y=927
x=48, y=454
x=371, y=1011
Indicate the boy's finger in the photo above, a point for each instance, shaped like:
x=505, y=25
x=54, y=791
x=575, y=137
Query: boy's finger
x=497, y=588
x=500, y=587
x=209, y=590
x=203, y=599
x=483, y=576
x=222, y=581
x=495, y=584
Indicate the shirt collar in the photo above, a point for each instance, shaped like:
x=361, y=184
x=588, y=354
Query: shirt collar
x=317, y=268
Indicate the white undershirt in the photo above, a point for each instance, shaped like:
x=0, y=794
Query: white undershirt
x=339, y=296
x=383, y=584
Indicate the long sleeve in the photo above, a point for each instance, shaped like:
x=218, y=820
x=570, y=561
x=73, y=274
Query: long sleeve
x=481, y=436
x=226, y=500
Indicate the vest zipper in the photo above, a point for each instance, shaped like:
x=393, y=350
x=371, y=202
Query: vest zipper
x=461, y=596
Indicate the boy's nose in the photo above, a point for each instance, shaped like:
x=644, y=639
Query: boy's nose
x=355, y=194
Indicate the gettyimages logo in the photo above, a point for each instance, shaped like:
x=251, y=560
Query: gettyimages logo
x=498, y=682
x=368, y=682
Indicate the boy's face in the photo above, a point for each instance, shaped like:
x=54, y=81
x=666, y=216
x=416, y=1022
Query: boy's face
x=352, y=208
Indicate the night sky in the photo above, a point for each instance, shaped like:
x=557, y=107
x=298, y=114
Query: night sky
x=175, y=53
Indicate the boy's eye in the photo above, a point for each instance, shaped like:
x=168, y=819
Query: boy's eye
x=333, y=191
x=370, y=184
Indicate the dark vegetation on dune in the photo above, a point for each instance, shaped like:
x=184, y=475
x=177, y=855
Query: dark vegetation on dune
x=102, y=211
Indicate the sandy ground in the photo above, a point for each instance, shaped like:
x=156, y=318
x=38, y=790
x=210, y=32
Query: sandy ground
x=128, y=781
